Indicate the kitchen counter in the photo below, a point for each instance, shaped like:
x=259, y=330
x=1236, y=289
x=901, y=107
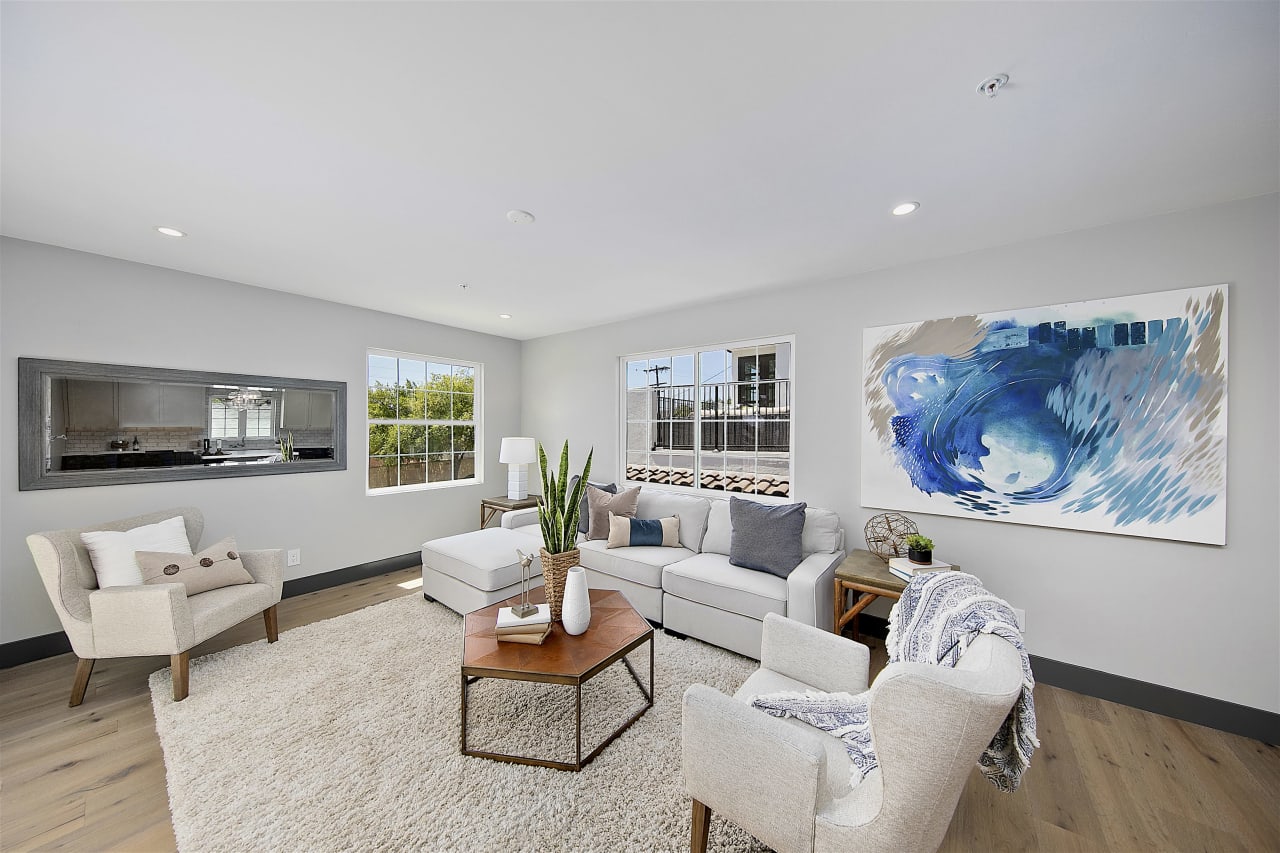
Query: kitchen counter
x=176, y=458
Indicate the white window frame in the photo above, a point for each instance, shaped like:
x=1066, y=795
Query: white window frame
x=674, y=352
x=477, y=422
x=241, y=438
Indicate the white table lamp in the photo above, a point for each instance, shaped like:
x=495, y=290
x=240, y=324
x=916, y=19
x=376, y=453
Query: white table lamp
x=518, y=453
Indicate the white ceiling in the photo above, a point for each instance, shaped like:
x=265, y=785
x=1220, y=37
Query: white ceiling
x=673, y=153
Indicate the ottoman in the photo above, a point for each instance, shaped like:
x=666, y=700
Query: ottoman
x=476, y=569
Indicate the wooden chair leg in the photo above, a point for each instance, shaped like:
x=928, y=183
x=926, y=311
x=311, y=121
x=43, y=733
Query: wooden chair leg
x=701, y=827
x=180, y=667
x=84, y=668
x=273, y=630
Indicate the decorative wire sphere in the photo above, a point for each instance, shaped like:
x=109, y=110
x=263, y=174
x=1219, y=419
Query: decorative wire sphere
x=887, y=533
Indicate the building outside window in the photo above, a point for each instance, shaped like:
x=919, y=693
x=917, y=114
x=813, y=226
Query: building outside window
x=424, y=421
x=716, y=418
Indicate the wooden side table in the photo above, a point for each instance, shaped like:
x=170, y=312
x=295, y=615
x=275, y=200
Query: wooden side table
x=493, y=507
x=868, y=576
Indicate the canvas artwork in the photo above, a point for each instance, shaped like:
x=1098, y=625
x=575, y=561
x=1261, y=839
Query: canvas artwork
x=1108, y=415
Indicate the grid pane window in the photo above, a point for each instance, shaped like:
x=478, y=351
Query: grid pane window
x=422, y=421
x=256, y=420
x=224, y=421
x=715, y=418
x=259, y=420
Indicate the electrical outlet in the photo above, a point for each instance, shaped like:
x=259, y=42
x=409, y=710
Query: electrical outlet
x=1021, y=616
x=295, y=556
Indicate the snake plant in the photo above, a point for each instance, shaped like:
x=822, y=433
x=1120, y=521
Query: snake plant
x=286, y=448
x=559, y=508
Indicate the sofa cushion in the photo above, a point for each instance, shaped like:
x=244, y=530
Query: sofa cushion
x=692, y=511
x=485, y=559
x=601, y=503
x=821, y=532
x=584, y=511
x=218, y=609
x=640, y=564
x=719, y=529
x=766, y=538
x=638, y=532
x=710, y=579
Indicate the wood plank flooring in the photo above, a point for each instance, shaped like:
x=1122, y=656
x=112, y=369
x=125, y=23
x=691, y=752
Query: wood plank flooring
x=1108, y=777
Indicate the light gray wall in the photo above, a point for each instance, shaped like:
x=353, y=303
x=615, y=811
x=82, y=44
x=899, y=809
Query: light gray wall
x=1197, y=618
x=56, y=303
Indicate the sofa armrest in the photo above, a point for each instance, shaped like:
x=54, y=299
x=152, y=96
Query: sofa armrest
x=266, y=567
x=520, y=517
x=811, y=589
x=153, y=619
x=766, y=775
x=821, y=659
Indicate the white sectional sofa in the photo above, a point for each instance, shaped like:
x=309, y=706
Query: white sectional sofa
x=693, y=590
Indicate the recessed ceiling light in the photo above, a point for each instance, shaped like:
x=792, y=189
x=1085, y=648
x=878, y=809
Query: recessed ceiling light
x=520, y=217
x=170, y=232
x=906, y=207
x=992, y=85
x=504, y=316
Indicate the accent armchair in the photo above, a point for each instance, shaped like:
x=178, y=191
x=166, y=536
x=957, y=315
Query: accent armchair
x=155, y=619
x=788, y=783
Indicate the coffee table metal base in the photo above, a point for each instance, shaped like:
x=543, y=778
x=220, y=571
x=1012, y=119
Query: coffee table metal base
x=471, y=675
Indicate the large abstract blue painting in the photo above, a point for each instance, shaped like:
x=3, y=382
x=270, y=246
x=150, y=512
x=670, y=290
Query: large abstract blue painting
x=1109, y=415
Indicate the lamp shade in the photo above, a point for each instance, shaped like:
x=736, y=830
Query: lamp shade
x=518, y=451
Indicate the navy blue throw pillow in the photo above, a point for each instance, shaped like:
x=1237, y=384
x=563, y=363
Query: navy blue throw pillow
x=765, y=537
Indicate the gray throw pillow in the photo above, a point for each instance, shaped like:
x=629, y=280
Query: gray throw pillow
x=601, y=503
x=765, y=537
x=584, y=513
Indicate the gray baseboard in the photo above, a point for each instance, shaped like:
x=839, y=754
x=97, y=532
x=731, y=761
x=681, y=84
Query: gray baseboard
x=50, y=645
x=1190, y=707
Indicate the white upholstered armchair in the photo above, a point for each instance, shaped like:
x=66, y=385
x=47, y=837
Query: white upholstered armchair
x=788, y=783
x=156, y=619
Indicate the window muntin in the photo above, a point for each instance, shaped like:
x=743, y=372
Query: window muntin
x=422, y=421
x=714, y=418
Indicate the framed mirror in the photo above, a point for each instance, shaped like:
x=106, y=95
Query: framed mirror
x=88, y=424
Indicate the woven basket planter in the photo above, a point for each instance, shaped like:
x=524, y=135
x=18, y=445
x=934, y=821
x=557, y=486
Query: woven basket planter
x=555, y=569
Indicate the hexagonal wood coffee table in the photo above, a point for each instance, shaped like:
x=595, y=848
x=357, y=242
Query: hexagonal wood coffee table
x=616, y=630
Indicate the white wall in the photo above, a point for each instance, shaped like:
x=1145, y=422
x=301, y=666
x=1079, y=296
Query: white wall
x=1197, y=618
x=56, y=303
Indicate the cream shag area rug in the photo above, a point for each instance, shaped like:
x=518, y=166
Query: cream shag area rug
x=344, y=735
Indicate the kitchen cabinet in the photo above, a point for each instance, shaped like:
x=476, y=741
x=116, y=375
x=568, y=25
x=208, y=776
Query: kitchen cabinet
x=153, y=404
x=91, y=405
x=182, y=405
x=306, y=409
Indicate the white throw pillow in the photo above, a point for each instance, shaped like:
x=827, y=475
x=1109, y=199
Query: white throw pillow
x=821, y=532
x=112, y=551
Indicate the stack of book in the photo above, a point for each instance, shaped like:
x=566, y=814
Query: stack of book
x=527, y=629
x=903, y=568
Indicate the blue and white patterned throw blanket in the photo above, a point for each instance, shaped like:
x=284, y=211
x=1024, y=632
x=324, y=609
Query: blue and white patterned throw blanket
x=937, y=617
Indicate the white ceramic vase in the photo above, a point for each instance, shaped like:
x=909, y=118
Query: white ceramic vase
x=576, y=612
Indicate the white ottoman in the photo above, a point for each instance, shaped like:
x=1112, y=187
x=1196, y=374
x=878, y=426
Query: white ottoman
x=476, y=569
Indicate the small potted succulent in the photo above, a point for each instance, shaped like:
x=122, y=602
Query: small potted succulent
x=919, y=549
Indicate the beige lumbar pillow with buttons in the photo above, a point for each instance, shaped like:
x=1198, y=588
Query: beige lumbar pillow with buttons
x=217, y=566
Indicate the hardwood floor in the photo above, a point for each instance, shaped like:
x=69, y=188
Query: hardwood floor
x=1107, y=777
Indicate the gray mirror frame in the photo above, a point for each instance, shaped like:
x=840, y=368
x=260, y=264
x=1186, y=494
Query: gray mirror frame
x=31, y=476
